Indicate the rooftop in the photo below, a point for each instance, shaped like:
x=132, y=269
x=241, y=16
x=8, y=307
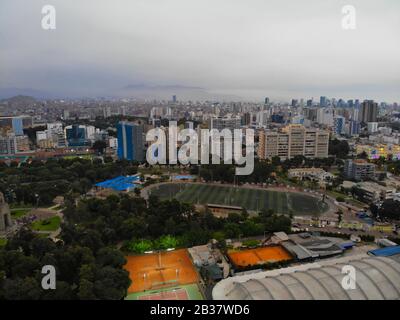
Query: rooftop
x=378, y=278
x=120, y=183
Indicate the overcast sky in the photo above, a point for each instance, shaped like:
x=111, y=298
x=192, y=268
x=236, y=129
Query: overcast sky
x=248, y=48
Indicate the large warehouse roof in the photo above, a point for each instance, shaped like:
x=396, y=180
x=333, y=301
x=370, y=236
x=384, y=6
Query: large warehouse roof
x=377, y=278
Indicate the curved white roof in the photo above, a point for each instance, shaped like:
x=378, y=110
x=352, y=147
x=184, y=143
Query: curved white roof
x=377, y=278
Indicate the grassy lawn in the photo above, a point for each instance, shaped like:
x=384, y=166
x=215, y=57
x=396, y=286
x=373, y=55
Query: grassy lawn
x=18, y=213
x=251, y=199
x=3, y=242
x=50, y=224
x=348, y=199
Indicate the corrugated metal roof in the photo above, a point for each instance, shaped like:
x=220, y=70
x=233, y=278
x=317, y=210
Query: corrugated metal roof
x=377, y=278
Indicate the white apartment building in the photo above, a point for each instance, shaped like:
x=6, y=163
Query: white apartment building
x=372, y=127
x=52, y=137
x=292, y=141
x=325, y=116
x=220, y=123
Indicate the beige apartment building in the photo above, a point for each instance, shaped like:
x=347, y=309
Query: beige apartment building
x=292, y=141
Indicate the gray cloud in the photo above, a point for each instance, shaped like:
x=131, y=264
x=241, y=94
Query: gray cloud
x=252, y=49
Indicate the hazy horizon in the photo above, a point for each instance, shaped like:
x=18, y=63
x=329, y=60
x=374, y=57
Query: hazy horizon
x=226, y=49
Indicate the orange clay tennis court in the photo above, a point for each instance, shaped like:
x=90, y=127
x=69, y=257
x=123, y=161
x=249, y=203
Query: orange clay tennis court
x=256, y=256
x=159, y=270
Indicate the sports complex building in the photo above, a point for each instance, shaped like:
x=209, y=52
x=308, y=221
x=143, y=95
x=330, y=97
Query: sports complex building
x=377, y=278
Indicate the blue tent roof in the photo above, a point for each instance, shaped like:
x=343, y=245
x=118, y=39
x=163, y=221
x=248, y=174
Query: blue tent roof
x=386, y=252
x=120, y=183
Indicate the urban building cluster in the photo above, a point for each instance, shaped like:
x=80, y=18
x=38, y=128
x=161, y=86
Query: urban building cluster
x=334, y=197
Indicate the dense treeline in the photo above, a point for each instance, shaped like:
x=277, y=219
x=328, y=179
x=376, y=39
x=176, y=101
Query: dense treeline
x=339, y=148
x=40, y=182
x=87, y=266
x=81, y=272
x=117, y=219
x=389, y=209
x=263, y=170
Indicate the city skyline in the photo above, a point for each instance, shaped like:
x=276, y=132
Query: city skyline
x=140, y=49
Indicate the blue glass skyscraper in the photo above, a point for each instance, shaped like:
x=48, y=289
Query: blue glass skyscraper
x=76, y=136
x=339, y=123
x=130, y=141
x=17, y=126
x=354, y=128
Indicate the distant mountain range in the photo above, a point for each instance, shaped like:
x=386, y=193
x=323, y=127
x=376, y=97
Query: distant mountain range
x=138, y=91
x=21, y=100
x=6, y=93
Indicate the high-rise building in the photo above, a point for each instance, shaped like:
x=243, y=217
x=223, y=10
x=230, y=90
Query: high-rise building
x=292, y=141
x=262, y=117
x=368, y=111
x=76, y=136
x=325, y=116
x=130, y=141
x=323, y=102
x=266, y=101
x=16, y=124
x=354, y=115
x=65, y=114
x=354, y=128
x=246, y=119
x=8, y=144
x=277, y=118
x=54, y=136
x=221, y=123
x=359, y=170
x=22, y=143
x=261, y=145
x=338, y=124
x=372, y=127
x=107, y=112
x=174, y=99
x=350, y=103
x=122, y=110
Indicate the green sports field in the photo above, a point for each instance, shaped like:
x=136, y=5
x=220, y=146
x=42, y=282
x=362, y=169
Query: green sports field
x=251, y=199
